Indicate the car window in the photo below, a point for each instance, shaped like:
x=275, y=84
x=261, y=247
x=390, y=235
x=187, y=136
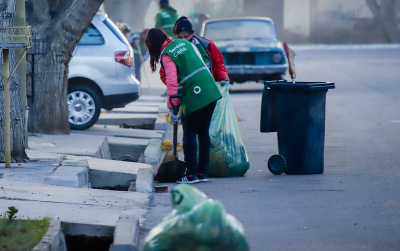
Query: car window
x=240, y=30
x=115, y=30
x=92, y=37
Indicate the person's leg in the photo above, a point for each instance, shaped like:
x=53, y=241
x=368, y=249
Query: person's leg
x=204, y=139
x=190, y=144
x=190, y=135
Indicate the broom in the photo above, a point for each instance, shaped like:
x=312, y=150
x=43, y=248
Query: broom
x=290, y=57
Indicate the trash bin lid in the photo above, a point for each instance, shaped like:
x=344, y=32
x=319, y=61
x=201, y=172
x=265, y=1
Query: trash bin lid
x=311, y=86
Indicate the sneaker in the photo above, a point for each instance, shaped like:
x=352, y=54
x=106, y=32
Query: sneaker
x=202, y=177
x=188, y=179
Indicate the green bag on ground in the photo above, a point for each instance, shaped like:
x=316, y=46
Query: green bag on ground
x=228, y=157
x=196, y=223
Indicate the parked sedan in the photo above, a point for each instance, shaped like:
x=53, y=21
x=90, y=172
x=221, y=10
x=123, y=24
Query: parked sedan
x=101, y=74
x=250, y=47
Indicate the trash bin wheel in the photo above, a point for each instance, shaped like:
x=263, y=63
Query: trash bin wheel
x=277, y=164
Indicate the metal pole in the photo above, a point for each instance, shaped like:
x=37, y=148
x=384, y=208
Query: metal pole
x=7, y=124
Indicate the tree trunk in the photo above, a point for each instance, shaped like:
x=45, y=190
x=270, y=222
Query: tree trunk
x=61, y=23
x=385, y=14
x=7, y=13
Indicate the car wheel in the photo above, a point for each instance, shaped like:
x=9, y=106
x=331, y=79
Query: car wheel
x=83, y=107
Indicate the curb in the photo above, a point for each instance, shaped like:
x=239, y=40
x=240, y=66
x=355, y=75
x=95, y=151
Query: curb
x=53, y=240
x=126, y=233
x=145, y=180
x=152, y=154
x=70, y=174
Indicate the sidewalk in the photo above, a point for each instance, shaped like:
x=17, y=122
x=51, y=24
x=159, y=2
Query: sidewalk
x=63, y=171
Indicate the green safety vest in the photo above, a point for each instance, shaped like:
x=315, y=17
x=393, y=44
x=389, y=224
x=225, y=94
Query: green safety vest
x=204, y=55
x=195, y=81
x=165, y=20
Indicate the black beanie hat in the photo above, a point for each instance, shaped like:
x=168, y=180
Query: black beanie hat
x=164, y=3
x=183, y=24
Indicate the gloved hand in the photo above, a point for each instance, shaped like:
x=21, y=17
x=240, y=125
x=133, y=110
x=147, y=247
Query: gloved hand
x=224, y=82
x=174, y=118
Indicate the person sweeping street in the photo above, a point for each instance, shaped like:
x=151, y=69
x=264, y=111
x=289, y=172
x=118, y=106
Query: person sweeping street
x=187, y=74
x=211, y=55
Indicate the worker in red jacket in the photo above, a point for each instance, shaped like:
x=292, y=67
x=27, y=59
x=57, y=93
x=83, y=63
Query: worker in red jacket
x=211, y=56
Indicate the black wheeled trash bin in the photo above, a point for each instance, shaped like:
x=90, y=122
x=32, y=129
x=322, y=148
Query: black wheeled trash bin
x=297, y=113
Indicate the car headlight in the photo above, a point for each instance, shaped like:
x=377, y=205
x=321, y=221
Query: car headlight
x=277, y=58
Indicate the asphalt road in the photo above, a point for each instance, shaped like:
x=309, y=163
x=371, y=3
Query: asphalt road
x=354, y=205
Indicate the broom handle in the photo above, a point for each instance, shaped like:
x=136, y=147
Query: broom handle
x=175, y=140
x=176, y=111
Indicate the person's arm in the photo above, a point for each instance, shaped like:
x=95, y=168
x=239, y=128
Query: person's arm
x=162, y=76
x=218, y=67
x=171, y=78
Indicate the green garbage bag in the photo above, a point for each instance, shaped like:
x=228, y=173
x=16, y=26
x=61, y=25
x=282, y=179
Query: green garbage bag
x=196, y=223
x=228, y=157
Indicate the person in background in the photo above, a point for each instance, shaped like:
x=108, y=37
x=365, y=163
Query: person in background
x=186, y=74
x=137, y=41
x=124, y=28
x=197, y=20
x=166, y=18
x=211, y=56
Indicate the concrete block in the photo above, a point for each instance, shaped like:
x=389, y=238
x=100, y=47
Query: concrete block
x=152, y=154
x=111, y=173
x=161, y=123
x=54, y=239
x=70, y=174
x=104, y=150
x=145, y=180
x=126, y=234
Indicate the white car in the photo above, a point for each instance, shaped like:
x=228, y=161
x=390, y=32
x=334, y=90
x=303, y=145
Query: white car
x=101, y=74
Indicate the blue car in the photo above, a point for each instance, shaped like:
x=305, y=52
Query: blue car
x=250, y=47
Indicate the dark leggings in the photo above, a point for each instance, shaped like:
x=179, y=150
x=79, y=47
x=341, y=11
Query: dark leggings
x=197, y=124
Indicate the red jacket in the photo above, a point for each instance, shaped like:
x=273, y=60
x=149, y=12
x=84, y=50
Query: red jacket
x=217, y=60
